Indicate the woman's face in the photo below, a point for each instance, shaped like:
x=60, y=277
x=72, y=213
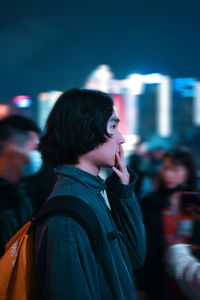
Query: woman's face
x=173, y=174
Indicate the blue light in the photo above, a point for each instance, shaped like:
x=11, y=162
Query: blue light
x=185, y=86
x=22, y=101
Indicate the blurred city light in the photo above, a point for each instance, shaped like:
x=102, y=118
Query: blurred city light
x=4, y=110
x=135, y=84
x=100, y=79
x=196, y=107
x=22, y=101
x=185, y=86
x=164, y=106
x=130, y=141
x=45, y=103
x=152, y=78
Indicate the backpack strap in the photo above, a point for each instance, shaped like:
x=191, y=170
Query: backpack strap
x=78, y=210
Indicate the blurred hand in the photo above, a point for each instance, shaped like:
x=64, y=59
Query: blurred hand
x=194, y=211
x=121, y=171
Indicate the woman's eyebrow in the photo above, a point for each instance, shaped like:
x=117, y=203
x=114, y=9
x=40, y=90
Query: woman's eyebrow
x=114, y=119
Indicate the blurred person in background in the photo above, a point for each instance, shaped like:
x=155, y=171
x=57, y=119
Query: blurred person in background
x=39, y=185
x=19, y=159
x=178, y=172
x=137, y=163
x=146, y=165
x=180, y=258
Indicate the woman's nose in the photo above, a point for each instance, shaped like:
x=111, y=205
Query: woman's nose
x=121, y=138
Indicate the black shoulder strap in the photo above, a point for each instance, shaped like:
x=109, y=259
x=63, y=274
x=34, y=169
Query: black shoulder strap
x=78, y=210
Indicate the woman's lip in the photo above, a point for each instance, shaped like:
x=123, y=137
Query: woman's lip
x=169, y=183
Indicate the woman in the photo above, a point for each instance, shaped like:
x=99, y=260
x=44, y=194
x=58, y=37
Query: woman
x=178, y=173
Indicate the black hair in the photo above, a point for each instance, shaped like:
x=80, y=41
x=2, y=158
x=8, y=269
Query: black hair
x=16, y=128
x=20, y=123
x=76, y=125
x=182, y=156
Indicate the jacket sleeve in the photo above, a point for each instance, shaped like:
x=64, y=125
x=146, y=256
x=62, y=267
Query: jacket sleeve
x=185, y=268
x=128, y=217
x=65, y=262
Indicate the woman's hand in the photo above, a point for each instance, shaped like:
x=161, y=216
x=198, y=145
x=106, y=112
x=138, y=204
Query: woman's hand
x=194, y=211
x=121, y=171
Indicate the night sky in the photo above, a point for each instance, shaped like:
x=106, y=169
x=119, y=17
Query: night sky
x=54, y=45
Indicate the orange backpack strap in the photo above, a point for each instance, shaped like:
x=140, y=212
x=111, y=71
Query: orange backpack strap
x=23, y=230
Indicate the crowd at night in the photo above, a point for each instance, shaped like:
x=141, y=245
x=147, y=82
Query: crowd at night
x=100, y=150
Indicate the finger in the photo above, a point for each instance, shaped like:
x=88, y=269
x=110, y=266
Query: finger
x=121, y=151
x=124, y=177
x=120, y=162
x=118, y=172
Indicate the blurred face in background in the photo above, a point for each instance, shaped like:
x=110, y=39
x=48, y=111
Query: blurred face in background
x=173, y=173
x=32, y=142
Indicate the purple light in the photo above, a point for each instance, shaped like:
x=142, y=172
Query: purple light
x=22, y=101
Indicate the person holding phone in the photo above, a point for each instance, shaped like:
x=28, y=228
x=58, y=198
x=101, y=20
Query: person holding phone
x=161, y=212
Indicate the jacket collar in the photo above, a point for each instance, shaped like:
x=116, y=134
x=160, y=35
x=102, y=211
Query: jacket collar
x=84, y=177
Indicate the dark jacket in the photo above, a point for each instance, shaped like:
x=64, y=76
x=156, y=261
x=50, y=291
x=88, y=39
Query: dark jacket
x=65, y=263
x=150, y=277
x=20, y=201
x=15, y=210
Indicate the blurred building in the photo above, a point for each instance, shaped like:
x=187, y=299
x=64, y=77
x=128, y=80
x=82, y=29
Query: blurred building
x=46, y=101
x=143, y=101
x=154, y=107
x=184, y=97
x=149, y=106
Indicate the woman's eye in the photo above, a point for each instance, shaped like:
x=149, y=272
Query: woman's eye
x=113, y=126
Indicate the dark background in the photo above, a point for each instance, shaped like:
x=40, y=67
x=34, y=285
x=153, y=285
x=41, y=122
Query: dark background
x=54, y=45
